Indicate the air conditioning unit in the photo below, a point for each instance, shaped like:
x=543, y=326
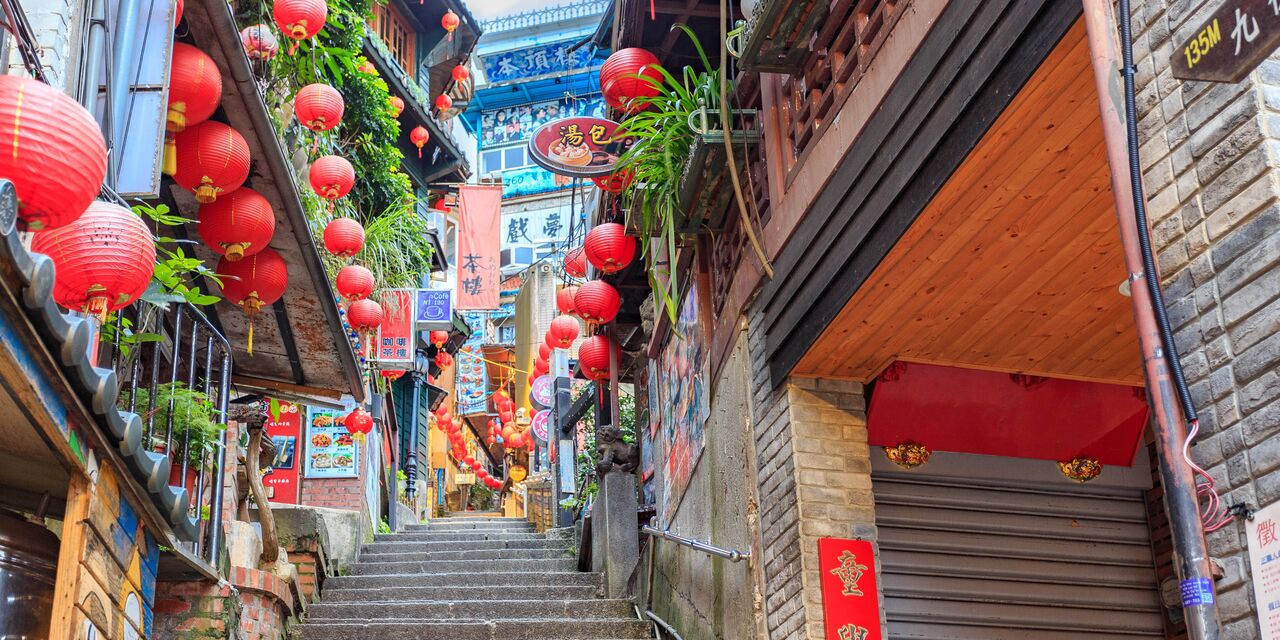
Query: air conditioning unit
x=517, y=257
x=544, y=268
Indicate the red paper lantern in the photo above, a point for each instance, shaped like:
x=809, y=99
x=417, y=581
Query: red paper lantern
x=593, y=356
x=367, y=67
x=625, y=79
x=564, y=300
x=343, y=237
x=609, y=248
x=575, y=263
x=238, y=224
x=195, y=87
x=482, y=474
x=300, y=19
x=616, y=182
x=444, y=102
x=439, y=338
x=365, y=316
x=507, y=431
x=450, y=22
x=104, y=259
x=259, y=42
x=397, y=106
x=177, y=14
x=392, y=374
x=253, y=283
x=354, y=282
x=564, y=330
x=331, y=177
x=515, y=441
x=597, y=302
x=358, y=422
x=212, y=159
x=319, y=107
x=444, y=360
x=469, y=461
x=460, y=73
x=419, y=137
x=54, y=153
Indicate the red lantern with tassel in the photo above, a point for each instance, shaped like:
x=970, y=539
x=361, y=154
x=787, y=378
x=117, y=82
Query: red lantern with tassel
x=319, y=107
x=564, y=330
x=575, y=263
x=597, y=302
x=564, y=300
x=195, y=88
x=104, y=259
x=331, y=177
x=460, y=73
x=259, y=42
x=625, y=79
x=300, y=19
x=609, y=248
x=392, y=374
x=450, y=22
x=444, y=102
x=444, y=360
x=343, y=237
x=419, y=137
x=238, y=224
x=544, y=352
x=212, y=159
x=358, y=423
x=616, y=182
x=54, y=153
x=439, y=338
x=593, y=356
x=354, y=282
x=364, y=316
x=397, y=106
x=516, y=441
x=255, y=282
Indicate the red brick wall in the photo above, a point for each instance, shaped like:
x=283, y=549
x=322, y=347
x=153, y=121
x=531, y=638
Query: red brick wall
x=334, y=493
x=310, y=577
x=193, y=610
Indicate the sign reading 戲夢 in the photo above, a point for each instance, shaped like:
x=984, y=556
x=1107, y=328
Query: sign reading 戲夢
x=578, y=147
x=284, y=427
x=434, y=309
x=479, y=241
x=1233, y=41
x=1264, y=564
x=534, y=62
x=395, y=334
x=850, y=598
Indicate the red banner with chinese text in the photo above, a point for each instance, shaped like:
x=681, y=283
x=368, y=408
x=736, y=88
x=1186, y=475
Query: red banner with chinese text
x=479, y=240
x=284, y=427
x=395, y=334
x=850, y=597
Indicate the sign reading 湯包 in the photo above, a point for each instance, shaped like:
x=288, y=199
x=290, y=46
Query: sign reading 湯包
x=579, y=147
x=1233, y=41
x=284, y=427
x=541, y=391
x=331, y=451
x=1264, y=565
x=395, y=334
x=434, y=309
x=850, y=599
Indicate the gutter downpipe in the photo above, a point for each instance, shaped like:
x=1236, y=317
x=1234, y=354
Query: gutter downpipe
x=118, y=83
x=1180, y=497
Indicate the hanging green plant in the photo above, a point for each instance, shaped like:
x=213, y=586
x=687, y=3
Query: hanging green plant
x=192, y=414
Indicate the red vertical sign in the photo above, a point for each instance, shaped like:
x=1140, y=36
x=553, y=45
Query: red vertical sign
x=479, y=240
x=395, y=334
x=850, y=597
x=284, y=427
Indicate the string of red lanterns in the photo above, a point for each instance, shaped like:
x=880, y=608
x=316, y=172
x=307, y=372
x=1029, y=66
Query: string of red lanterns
x=103, y=259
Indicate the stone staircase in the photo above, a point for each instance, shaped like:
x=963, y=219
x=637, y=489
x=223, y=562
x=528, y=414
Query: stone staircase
x=468, y=578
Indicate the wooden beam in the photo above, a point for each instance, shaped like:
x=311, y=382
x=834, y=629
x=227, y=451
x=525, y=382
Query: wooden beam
x=266, y=384
x=70, y=552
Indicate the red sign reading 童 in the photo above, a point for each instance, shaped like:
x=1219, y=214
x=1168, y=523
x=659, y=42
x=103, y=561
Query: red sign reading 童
x=850, y=596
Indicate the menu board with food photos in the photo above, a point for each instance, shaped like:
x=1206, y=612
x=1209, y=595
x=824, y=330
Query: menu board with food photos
x=331, y=451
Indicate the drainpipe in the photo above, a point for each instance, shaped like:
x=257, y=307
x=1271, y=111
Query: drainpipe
x=1180, y=499
x=415, y=404
x=118, y=82
x=93, y=51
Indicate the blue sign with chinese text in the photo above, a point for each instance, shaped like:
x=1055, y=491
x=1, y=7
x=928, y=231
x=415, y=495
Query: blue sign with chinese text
x=521, y=64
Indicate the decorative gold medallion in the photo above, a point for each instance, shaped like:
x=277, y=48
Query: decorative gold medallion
x=1081, y=470
x=908, y=455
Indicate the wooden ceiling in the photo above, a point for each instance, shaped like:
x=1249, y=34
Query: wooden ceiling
x=1015, y=264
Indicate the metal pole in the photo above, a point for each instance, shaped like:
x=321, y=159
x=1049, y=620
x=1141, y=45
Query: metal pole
x=93, y=53
x=411, y=460
x=215, y=507
x=561, y=436
x=118, y=92
x=1181, y=503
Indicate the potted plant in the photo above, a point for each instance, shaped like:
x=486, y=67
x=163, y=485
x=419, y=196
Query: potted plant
x=193, y=420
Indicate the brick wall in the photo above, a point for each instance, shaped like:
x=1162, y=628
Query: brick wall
x=335, y=493
x=195, y=610
x=56, y=24
x=1209, y=159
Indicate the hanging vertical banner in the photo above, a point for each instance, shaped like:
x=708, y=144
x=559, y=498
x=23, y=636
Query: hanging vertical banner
x=1264, y=565
x=850, y=598
x=479, y=240
x=395, y=334
x=284, y=427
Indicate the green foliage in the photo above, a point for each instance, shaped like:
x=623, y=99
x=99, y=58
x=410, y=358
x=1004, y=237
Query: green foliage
x=384, y=526
x=175, y=272
x=482, y=498
x=193, y=416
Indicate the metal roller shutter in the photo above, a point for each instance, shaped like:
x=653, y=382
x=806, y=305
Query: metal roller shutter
x=987, y=548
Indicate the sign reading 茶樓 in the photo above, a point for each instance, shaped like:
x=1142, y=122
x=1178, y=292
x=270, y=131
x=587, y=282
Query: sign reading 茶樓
x=1264, y=565
x=1233, y=41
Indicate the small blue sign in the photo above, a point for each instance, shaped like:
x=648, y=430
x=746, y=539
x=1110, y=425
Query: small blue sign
x=435, y=305
x=1196, y=592
x=440, y=487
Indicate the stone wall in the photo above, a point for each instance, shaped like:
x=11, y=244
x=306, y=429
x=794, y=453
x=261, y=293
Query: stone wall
x=56, y=25
x=1209, y=161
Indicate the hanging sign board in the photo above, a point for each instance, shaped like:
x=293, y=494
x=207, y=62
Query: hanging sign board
x=539, y=426
x=464, y=478
x=395, y=334
x=434, y=309
x=578, y=147
x=542, y=390
x=331, y=451
x=850, y=598
x=1264, y=564
x=1230, y=43
x=284, y=427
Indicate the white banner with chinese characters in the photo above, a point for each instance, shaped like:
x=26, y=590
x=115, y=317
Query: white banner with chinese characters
x=1264, y=565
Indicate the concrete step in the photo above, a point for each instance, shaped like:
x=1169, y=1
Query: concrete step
x=450, y=536
x=531, y=629
x=333, y=595
x=408, y=546
x=463, y=515
x=471, y=610
x=500, y=553
x=466, y=578
x=470, y=522
x=466, y=527
x=447, y=566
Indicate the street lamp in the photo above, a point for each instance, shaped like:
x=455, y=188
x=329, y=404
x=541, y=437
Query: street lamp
x=418, y=374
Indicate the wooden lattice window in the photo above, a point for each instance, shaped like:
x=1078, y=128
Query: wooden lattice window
x=395, y=32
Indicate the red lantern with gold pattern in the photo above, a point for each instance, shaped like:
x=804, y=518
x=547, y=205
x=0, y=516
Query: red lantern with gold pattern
x=444, y=102
x=564, y=330
x=625, y=79
x=331, y=177
x=358, y=422
x=103, y=260
x=299, y=19
x=564, y=300
x=460, y=73
x=397, y=106
x=444, y=360
x=609, y=248
x=365, y=316
x=319, y=107
x=238, y=224
x=255, y=282
x=419, y=137
x=450, y=22
x=212, y=159
x=54, y=153
x=597, y=302
x=439, y=338
x=343, y=237
x=195, y=87
x=354, y=282
x=575, y=263
x=593, y=356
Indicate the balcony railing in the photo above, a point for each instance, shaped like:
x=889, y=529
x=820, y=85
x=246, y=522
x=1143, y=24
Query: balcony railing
x=536, y=17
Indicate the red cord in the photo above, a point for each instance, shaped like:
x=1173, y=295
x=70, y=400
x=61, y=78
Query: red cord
x=1212, y=514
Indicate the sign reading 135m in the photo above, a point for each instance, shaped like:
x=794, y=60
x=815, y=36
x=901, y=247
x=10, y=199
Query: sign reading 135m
x=1233, y=41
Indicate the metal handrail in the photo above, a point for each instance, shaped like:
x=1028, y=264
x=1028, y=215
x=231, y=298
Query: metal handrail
x=732, y=555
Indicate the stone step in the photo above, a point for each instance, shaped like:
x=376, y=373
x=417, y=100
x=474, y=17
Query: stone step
x=471, y=610
x=333, y=595
x=463, y=527
x=406, y=546
x=501, y=553
x=470, y=522
x=467, y=578
x=530, y=629
x=450, y=536
x=446, y=566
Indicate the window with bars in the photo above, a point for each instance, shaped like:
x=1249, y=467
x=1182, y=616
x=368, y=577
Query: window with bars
x=394, y=31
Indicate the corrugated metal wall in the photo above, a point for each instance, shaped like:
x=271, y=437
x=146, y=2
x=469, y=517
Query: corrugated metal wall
x=986, y=548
